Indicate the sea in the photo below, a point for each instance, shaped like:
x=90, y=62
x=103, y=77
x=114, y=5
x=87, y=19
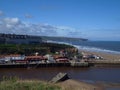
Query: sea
x=97, y=46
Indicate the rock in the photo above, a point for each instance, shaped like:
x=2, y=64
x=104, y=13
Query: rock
x=59, y=77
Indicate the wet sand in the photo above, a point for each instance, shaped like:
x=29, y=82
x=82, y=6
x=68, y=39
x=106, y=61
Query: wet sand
x=71, y=84
x=78, y=85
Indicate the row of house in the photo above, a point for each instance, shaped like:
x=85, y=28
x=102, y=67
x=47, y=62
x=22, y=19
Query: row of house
x=44, y=59
x=19, y=39
x=32, y=59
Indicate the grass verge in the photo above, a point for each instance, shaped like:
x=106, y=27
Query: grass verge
x=14, y=83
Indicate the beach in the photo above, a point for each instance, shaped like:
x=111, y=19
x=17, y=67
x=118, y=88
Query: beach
x=106, y=56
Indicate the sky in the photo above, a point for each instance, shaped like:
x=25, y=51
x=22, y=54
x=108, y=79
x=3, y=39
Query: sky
x=91, y=19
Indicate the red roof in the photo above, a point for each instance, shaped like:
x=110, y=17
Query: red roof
x=1, y=56
x=57, y=56
x=20, y=61
x=34, y=58
x=62, y=59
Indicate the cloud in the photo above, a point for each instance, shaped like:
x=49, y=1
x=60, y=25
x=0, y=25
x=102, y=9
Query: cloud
x=102, y=34
x=28, y=16
x=1, y=13
x=15, y=25
x=12, y=21
x=68, y=31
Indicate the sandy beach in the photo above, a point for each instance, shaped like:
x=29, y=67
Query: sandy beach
x=106, y=56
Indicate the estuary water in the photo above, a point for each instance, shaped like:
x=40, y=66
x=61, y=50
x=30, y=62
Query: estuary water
x=106, y=74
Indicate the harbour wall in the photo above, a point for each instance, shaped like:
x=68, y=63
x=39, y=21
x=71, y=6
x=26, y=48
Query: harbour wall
x=105, y=63
x=72, y=64
x=34, y=65
x=42, y=65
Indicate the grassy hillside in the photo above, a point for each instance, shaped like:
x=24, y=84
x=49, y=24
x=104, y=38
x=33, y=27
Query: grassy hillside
x=63, y=39
x=42, y=48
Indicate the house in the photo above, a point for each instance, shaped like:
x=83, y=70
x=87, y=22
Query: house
x=2, y=59
x=16, y=58
x=13, y=58
x=35, y=59
x=19, y=39
x=62, y=60
x=50, y=58
x=57, y=56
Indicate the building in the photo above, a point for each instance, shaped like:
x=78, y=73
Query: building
x=35, y=59
x=13, y=58
x=62, y=60
x=50, y=58
x=19, y=39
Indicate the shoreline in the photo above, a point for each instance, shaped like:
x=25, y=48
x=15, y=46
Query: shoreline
x=106, y=56
x=91, y=49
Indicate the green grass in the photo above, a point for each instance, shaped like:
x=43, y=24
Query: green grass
x=16, y=84
x=29, y=49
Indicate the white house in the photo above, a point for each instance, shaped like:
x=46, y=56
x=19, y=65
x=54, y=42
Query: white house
x=50, y=58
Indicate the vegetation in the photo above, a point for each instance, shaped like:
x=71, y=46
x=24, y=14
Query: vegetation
x=13, y=83
x=42, y=48
x=63, y=39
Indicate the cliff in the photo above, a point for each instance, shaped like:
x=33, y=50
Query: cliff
x=62, y=39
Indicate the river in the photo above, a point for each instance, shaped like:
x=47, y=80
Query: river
x=106, y=74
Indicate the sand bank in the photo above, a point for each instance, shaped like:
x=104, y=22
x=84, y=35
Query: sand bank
x=78, y=85
x=71, y=84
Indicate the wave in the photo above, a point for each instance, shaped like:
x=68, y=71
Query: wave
x=50, y=41
x=94, y=49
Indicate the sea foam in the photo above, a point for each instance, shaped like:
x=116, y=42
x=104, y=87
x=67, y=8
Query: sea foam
x=94, y=49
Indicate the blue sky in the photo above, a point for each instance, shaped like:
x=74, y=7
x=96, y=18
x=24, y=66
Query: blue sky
x=92, y=19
